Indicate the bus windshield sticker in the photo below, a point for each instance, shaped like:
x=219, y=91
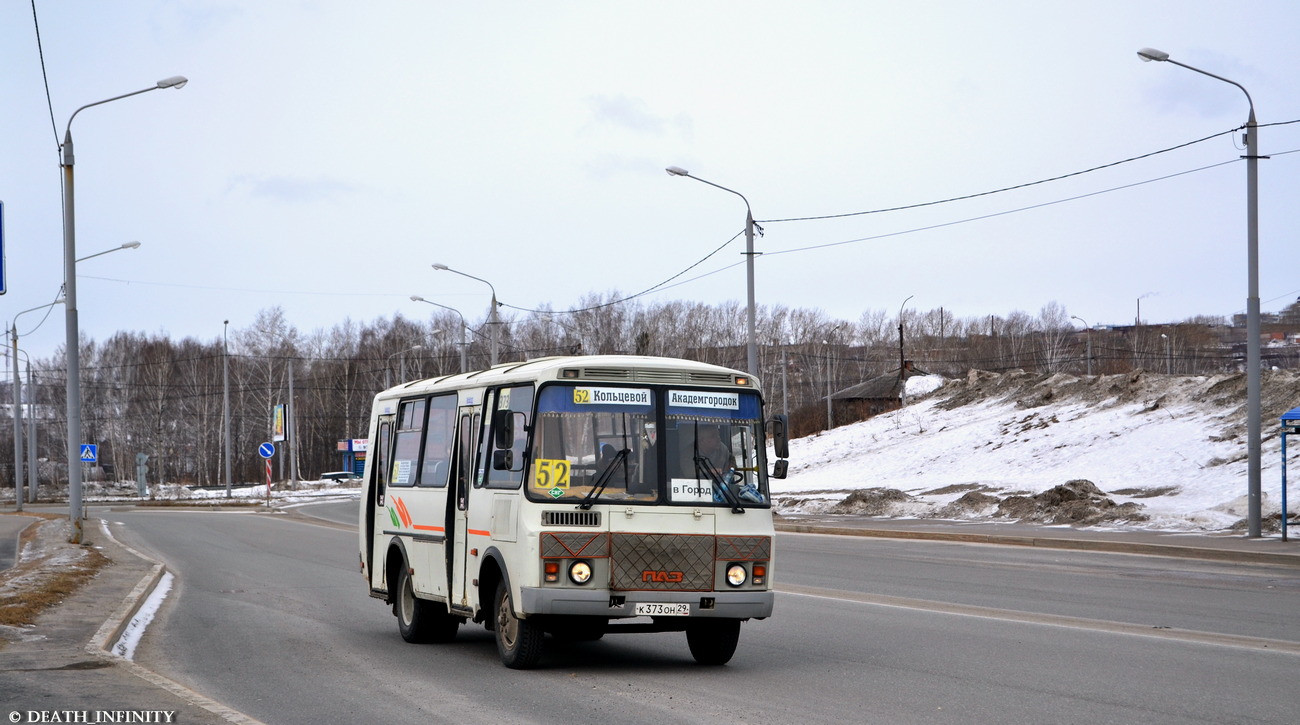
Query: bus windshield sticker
x=612, y=396
x=690, y=489
x=701, y=399
x=401, y=472
x=551, y=473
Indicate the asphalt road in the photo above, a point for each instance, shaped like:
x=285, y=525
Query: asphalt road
x=270, y=616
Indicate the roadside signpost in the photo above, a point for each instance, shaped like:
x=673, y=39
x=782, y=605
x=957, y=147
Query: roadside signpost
x=266, y=450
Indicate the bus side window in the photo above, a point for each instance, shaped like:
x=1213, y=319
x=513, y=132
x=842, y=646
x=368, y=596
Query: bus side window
x=379, y=471
x=435, y=465
x=465, y=457
x=406, y=444
x=483, y=425
x=513, y=409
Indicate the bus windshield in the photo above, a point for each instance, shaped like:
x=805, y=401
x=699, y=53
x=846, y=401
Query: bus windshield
x=648, y=446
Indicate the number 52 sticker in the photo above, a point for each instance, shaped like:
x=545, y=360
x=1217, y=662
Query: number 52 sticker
x=550, y=472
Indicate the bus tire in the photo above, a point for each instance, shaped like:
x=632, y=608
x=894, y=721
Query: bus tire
x=713, y=641
x=519, y=641
x=420, y=621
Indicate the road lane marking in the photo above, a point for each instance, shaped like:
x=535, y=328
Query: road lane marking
x=1052, y=620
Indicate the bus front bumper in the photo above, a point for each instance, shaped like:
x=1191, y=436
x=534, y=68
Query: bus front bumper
x=755, y=604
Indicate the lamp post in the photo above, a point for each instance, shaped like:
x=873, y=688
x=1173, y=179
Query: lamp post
x=125, y=245
x=464, y=330
x=1088, y=334
x=13, y=330
x=225, y=399
x=1169, y=361
x=751, y=346
x=902, y=361
x=387, y=363
x=72, y=352
x=493, y=320
x=1253, y=499
x=18, y=427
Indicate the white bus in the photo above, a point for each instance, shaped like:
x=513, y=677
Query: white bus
x=570, y=497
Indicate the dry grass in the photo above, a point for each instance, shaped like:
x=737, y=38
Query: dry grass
x=46, y=579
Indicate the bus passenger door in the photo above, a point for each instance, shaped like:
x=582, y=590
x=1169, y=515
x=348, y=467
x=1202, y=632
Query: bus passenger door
x=376, y=512
x=467, y=432
x=428, y=502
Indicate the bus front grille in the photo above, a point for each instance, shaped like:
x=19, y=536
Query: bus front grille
x=661, y=562
x=570, y=518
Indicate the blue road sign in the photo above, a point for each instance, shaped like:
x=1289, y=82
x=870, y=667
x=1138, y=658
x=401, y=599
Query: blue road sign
x=89, y=452
x=266, y=450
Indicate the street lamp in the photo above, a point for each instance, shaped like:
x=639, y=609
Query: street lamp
x=72, y=353
x=13, y=331
x=751, y=347
x=464, y=329
x=125, y=245
x=18, y=429
x=493, y=320
x=1088, y=333
x=387, y=377
x=902, y=361
x=1253, y=499
x=18, y=426
x=225, y=399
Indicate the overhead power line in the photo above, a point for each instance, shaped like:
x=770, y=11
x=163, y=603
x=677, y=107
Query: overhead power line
x=1004, y=189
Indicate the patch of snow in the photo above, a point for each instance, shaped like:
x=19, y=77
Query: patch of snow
x=1174, y=446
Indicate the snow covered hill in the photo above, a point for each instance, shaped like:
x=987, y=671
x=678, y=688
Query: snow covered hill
x=1141, y=450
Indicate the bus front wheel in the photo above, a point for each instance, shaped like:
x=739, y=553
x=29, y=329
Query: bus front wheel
x=519, y=641
x=713, y=641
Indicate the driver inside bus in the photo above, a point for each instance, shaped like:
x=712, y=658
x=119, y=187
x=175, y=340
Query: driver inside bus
x=711, y=447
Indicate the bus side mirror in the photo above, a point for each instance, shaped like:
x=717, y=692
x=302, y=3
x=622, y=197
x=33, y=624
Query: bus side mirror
x=503, y=459
x=780, y=436
x=779, y=468
x=503, y=428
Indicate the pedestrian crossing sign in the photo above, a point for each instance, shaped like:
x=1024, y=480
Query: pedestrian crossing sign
x=89, y=452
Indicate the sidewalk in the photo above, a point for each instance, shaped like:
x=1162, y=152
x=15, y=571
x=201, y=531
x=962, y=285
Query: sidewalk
x=61, y=664
x=1210, y=546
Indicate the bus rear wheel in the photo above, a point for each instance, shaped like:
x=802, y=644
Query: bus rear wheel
x=713, y=641
x=418, y=620
x=519, y=641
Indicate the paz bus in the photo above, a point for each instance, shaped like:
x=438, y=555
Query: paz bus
x=563, y=498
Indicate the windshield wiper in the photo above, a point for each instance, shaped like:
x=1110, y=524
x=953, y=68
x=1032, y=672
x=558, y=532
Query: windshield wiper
x=705, y=466
x=603, y=479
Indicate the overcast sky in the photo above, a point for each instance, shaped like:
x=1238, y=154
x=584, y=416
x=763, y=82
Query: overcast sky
x=325, y=154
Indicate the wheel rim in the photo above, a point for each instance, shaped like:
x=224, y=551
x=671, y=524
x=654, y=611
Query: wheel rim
x=407, y=600
x=507, y=623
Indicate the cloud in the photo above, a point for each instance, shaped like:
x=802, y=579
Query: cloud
x=634, y=114
x=289, y=189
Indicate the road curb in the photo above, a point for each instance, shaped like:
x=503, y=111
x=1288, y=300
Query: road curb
x=1048, y=542
x=111, y=631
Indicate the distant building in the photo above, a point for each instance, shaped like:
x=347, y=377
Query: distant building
x=880, y=394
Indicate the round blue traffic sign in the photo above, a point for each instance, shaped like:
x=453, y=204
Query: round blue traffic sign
x=266, y=450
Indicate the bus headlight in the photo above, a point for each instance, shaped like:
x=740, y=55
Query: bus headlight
x=580, y=572
x=736, y=574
